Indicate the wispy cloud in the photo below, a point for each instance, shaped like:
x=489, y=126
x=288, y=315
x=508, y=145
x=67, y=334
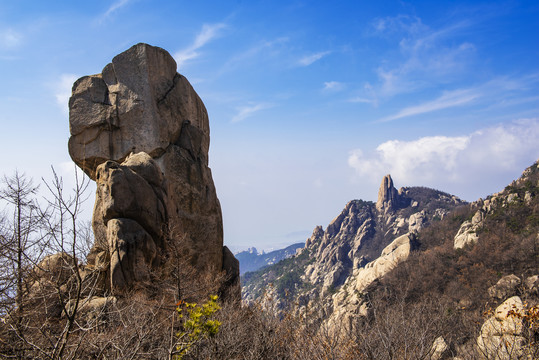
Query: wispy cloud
x=260, y=47
x=114, y=7
x=9, y=38
x=426, y=56
x=359, y=99
x=265, y=50
x=208, y=33
x=310, y=59
x=333, y=86
x=441, y=160
x=447, y=100
x=496, y=93
x=62, y=90
x=398, y=24
x=245, y=112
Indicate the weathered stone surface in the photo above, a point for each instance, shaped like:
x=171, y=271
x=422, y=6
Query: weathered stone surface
x=92, y=304
x=345, y=308
x=532, y=284
x=142, y=133
x=465, y=236
x=501, y=335
x=439, y=349
x=231, y=266
x=505, y=287
x=416, y=221
x=123, y=193
x=394, y=253
x=387, y=195
x=132, y=252
x=138, y=103
x=56, y=267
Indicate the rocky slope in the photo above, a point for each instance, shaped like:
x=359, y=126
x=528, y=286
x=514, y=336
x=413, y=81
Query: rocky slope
x=461, y=280
x=252, y=260
x=346, y=250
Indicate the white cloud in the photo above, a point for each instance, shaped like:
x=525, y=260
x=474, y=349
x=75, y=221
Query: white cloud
x=310, y=59
x=9, y=38
x=62, y=90
x=208, y=33
x=333, y=86
x=447, y=100
x=115, y=6
x=245, y=112
x=442, y=160
x=403, y=159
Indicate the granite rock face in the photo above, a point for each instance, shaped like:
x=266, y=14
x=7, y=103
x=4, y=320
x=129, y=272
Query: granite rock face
x=138, y=103
x=469, y=232
x=387, y=195
x=348, y=297
x=141, y=132
x=501, y=335
x=361, y=245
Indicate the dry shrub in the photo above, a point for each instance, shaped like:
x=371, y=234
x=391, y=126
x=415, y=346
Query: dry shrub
x=250, y=333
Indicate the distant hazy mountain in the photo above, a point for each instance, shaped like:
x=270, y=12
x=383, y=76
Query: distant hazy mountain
x=251, y=259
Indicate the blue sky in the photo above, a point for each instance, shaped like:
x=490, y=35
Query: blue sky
x=310, y=102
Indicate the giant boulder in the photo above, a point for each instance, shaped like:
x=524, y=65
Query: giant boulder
x=141, y=132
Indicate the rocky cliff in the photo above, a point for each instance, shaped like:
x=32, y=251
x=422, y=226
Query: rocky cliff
x=141, y=132
x=419, y=269
x=365, y=241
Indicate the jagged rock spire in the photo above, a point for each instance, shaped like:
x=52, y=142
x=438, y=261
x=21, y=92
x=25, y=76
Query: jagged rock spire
x=387, y=195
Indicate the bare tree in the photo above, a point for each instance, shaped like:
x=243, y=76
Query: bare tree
x=21, y=247
x=63, y=236
x=41, y=295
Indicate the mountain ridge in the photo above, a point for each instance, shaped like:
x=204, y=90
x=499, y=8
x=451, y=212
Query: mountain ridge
x=252, y=260
x=362, y=230
x=426, y=280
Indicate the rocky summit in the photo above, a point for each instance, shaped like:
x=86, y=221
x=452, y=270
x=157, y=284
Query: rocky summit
x=362, y=244
x=141, y=132
x=416, y=262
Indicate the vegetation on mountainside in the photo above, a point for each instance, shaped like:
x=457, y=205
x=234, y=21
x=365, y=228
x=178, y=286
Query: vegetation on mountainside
x=440, y=291
x=197, y=324
x=251, y=260
x=458, y=280
x=283, y=276
x=428, y=199
x=286, y=276
x=437, y=292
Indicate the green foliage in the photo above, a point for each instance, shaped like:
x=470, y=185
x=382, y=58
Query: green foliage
x=517, y=216
x=197, y=324
x=285, y=275
x=286, y=284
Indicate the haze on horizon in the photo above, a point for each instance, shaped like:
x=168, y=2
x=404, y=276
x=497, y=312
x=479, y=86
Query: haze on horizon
x=310, y=103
